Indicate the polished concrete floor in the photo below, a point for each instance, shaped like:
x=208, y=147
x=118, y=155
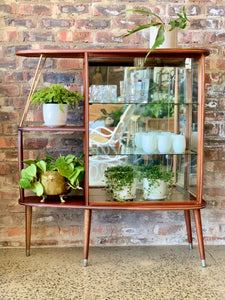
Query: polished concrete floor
x=113, y=273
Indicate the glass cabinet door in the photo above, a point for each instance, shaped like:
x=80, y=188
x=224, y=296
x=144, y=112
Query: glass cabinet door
x=143, y=125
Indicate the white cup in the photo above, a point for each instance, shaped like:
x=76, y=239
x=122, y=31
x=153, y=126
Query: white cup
x=149, y=143
x=138, y=139
x=179, y=143
x=164, y=143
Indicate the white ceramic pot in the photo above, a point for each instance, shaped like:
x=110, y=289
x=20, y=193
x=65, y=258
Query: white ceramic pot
x=159, y=191
x=53, y=116
x=170, y=37
x=126, y=193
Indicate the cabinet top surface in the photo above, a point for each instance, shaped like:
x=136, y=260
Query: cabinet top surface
x=80, y=53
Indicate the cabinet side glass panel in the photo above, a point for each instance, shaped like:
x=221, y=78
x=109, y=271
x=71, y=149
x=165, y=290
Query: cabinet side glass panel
x=143, y=121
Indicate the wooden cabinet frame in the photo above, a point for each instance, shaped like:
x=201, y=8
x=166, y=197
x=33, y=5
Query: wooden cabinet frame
x=115, y=56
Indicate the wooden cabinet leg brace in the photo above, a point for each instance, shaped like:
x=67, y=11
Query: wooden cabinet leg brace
x=28, y=220
x=87, y=228
x=188, y=226
x=198, y=226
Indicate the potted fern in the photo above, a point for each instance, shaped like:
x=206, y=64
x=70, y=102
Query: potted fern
x=121, y=183
x=157, y=183
x=56, y=99
x=52, y=176
x=161, y=27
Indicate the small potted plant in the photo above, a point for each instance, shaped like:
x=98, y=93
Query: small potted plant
x=56, y=99
x=121, y=183
x=52, y=176
x=179, y=22
x=112, y=118
x=157, y=183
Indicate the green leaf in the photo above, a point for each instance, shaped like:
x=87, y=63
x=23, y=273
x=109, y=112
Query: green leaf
x=70, y=158
x=25, y=183
x=184, y=13
x=37, y=188
x=42, y=165
x=65, y=170
x=145, y=12
x=158, y=40
x=29, y=172
x=49, y=157
x=75, y=174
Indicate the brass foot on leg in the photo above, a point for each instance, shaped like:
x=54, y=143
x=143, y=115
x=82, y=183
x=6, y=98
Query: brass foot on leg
x=190, y=246
x=203, y=263
x=85, y=262
x=62, y=199
x=27, y=252
x=43, y=198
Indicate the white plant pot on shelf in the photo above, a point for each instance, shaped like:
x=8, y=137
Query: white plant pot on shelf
x=158, y=191
x=53, y=116
x=170, y=37
x=126, y=193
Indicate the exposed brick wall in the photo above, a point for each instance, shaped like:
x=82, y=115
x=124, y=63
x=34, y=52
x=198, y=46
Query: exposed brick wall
x=96, y=24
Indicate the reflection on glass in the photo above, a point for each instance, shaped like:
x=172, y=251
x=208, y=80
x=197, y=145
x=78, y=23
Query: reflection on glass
x=144, y=116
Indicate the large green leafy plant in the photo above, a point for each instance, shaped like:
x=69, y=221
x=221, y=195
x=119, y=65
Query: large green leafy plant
x=179, y=22
x=71, y=167
x=57, y=94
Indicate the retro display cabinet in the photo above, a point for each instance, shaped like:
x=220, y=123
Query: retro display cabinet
x=137, y=113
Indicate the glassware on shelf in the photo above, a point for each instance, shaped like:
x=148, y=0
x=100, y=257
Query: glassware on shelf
x=103, y=93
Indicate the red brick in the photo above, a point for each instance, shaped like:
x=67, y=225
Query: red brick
x=34, y=116
x=214, y=77
x=52, y=23
x=8, y=142
x=17, y=231
x=36, y=143
x=11, y=116
x=216, y=166
x=84, y=37
x=108, y=37
x=10, y=129
x=9, y=90
x=14, y=77
x=211, y=154
x=75, y=9
x=31, y=36
x=108, y=10
x=93, y=24
x=9, y=168
x=25, y=9
x=215, y=192
x=6, y=36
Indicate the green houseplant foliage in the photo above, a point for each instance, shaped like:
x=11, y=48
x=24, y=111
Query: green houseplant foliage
x=179, y=22
x=154, y=173
x=115, y=114
x=163, y=108
x=57, y=94
x=118, y=178
x=70, y=167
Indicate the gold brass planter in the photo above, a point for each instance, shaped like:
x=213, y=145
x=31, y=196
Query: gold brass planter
x=53, y=184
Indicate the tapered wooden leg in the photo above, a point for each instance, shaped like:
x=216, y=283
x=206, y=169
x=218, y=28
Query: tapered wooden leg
x=28, y=220
x=187, y=216
x=198, y=226
x=87, y=228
